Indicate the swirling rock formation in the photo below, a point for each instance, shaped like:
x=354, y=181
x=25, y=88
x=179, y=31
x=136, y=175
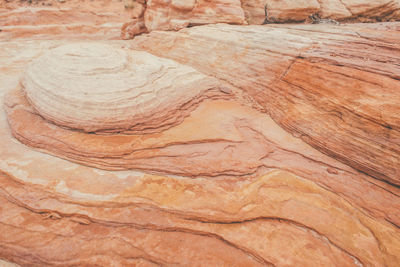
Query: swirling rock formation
x=226, y=179
x=226, y=185
x=96, y=88
x=75, y=92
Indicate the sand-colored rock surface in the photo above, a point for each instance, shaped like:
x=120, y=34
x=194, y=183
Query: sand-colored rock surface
x=96, y=88
x=7, y=264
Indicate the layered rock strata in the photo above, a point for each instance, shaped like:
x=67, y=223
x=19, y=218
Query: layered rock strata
x=335, y=87
x=104, y=19
x=224, y=185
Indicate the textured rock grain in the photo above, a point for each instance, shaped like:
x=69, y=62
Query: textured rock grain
x=216, y=181
x=336, y=87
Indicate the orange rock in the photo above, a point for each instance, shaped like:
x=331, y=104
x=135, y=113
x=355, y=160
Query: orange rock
x=329, y=85
x=291, y=11
x=177, y=14
x=133, y=28
x=232, y=187
x=219, y=171
x=284, y=11
x=104, y=19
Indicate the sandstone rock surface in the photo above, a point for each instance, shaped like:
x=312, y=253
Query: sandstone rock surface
x=226, y=185
x=218, y=145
